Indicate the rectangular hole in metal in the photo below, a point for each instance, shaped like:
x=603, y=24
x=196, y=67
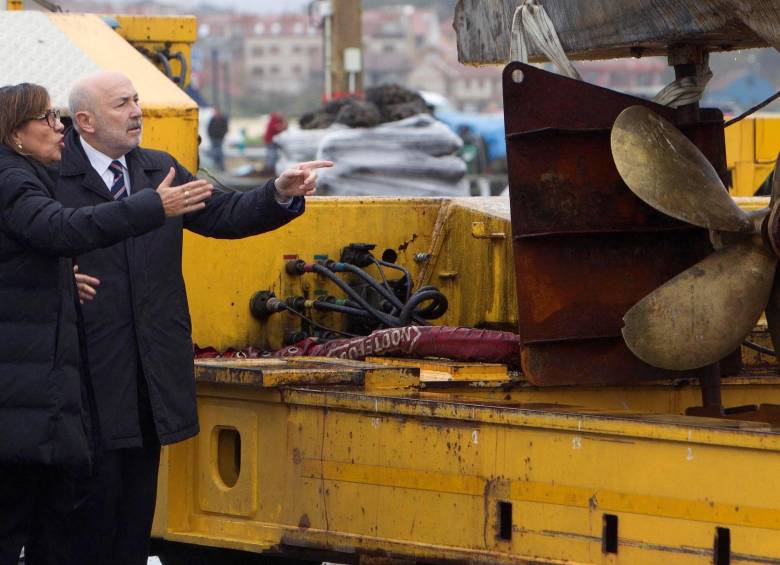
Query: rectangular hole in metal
x=722, y=546
x=609, y=534
x=505, y=520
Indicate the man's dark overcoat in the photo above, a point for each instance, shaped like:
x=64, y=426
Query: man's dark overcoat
x=138, y=326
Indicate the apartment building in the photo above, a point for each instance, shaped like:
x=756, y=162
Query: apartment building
x=282, y=54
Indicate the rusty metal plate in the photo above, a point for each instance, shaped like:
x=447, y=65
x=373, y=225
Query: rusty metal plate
x=584, y=283
x=586, y=248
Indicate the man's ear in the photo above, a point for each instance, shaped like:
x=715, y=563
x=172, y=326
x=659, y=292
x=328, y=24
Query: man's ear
x=85, y=121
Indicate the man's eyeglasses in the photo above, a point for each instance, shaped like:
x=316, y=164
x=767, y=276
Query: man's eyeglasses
x=51, y=116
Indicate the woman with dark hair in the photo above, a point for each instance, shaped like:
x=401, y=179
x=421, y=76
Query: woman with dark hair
x=45, y=424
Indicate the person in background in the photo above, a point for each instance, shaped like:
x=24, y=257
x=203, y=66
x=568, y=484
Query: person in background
x=276, y=125
x=46, y=427
x=473, y=151
x=217, y=130
x=138, y=328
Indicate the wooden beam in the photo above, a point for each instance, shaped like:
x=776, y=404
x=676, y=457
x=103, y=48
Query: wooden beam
x=605, y=29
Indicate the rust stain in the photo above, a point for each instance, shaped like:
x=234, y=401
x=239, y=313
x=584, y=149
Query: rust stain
x=582, y=240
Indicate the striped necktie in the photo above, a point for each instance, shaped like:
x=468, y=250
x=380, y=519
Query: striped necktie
x=118, y=188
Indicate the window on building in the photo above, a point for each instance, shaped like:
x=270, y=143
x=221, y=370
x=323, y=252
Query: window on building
x=273, y=50
x=297, y=70
x=258, y=51
x=276, y=28
x=258, y=71
x=298, y=28
x=296, y=49
x=260, y=28
x=274, y=70
x=388, y=48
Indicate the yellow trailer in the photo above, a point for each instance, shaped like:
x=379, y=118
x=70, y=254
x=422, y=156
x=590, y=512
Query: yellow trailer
x=422, y=461
x=436, y=461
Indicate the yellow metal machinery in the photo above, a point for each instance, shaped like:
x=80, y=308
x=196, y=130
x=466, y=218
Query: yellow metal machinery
x=751, y=149
x=91, y=43
x=426, y=461
x=429, y=461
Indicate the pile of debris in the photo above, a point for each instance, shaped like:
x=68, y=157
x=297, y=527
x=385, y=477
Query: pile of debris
x=387, y=103
x=386, y=145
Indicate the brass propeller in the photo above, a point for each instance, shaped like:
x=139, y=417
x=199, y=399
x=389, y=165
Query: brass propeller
x=663, y=168
x=705, y=312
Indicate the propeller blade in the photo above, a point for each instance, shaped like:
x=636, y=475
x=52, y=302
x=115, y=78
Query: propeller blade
x=705, y=312
x=772, y=312
x=666, y=170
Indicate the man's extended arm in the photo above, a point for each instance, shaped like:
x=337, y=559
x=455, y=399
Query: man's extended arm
x=235, y=214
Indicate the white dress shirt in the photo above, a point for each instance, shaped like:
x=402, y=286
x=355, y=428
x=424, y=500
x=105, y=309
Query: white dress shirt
x=101, y=163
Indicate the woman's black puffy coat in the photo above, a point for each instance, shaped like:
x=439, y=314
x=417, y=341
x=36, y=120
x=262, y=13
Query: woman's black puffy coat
x=43, y=416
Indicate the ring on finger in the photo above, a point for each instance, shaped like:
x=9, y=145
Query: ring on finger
x=186, y=194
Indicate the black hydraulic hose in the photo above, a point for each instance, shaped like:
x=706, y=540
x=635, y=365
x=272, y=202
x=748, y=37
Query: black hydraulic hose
x=385, y=293
x=390, y=321
x=755, y=108
x=417, y=298
x=760, y=348
x=315, y=324
x=163, y=60
x=179, y=56
x=381, y=273
x=359, y=306
x=343, y=309
x=392, y=298
x=404, y=270
x=436, y=308
x=417, y=316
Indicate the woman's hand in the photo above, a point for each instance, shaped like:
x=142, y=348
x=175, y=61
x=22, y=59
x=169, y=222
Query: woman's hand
x=180, y=200
x=85, y=285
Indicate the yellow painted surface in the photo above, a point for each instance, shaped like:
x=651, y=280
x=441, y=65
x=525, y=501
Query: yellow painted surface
x=476, y=275
x=752, y=146
x=437, y=370
x=170, y=116
x=173, y=34
x=419, y=473
x=159, y=29
x=421, y=478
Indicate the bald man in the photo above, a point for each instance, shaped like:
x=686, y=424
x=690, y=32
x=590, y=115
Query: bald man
x=138, y=325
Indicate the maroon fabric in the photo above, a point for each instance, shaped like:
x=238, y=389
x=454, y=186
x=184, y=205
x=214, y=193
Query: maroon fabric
x=211, y=353
x=459, y=344
x=276, y=125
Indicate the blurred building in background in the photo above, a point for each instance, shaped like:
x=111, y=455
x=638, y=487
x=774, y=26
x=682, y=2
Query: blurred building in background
x=253, y=63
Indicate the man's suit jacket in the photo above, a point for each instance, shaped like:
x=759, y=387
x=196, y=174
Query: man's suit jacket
x=138, y=326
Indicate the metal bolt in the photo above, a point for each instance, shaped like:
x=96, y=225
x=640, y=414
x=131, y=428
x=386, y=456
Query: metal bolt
x=422, y=257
